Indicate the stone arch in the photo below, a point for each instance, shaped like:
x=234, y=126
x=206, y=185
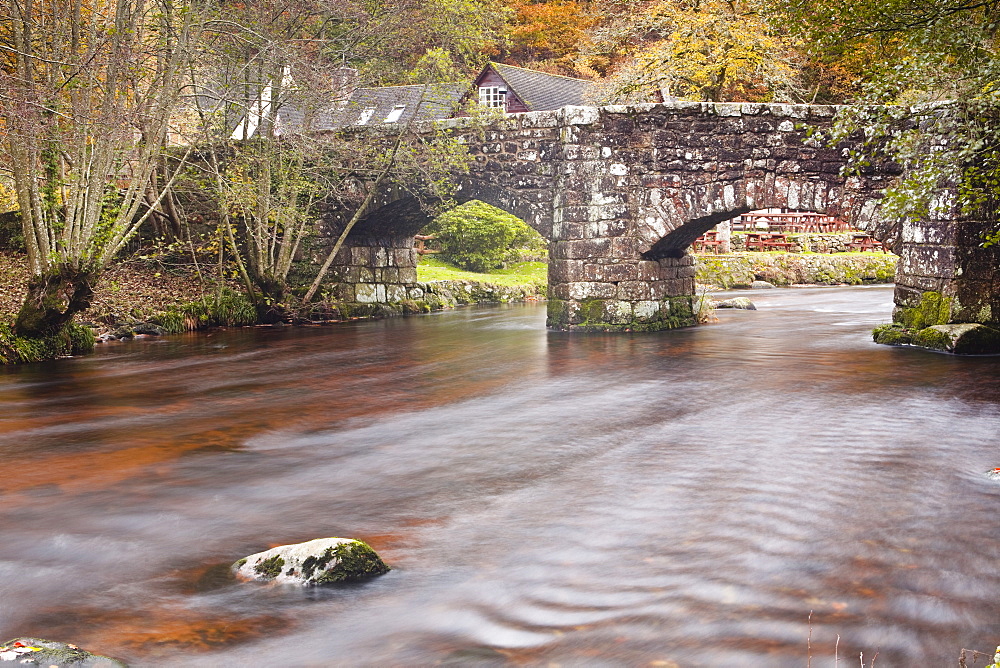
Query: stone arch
x=537, y=214
x=673, y=218
x=378, y=261
x=398, y=214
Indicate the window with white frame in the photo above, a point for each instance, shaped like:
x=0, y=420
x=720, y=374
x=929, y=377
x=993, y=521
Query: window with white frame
x=366, y=116
x=490, y=96
x=395, y=114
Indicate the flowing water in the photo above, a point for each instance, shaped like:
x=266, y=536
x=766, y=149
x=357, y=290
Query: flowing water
x=740, y=494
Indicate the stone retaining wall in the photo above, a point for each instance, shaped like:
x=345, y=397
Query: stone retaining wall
x=740, y=270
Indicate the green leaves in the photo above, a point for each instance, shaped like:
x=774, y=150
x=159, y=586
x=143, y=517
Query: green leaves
x=479, y=237
x=937, y=58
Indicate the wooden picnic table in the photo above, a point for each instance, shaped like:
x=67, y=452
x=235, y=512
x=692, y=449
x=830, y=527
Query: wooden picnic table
x=709, y=240
x=420, y=244
x=866, y=242
x=798, y=221
x=761, y=241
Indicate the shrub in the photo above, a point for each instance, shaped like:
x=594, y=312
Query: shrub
x=228, y=309
x=478, y=237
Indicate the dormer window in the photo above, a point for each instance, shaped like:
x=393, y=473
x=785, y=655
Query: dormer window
x=366, y=116
x=395, y=114
x=492, y=96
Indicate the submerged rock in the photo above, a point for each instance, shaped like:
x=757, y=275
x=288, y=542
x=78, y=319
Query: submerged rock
x=41, y=652
x=315, y=562
x=737, y=302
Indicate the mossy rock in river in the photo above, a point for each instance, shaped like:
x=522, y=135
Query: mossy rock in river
x=41, y=652
x=315, y=562
x=960, y=339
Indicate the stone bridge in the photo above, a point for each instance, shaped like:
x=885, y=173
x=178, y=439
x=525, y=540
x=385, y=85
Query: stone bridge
x=621, y=192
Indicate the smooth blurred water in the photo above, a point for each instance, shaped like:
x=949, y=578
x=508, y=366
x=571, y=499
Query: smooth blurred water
x=686, y=497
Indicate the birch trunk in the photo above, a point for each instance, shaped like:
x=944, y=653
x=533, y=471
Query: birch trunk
x=87, y=91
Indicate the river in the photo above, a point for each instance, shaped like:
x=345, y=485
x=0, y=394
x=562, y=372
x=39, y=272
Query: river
x=755, y=492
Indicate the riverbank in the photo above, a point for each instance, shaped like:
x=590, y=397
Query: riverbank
x=130, y=291
x=140, y=290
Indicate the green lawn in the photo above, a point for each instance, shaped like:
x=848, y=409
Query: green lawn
x=431, y=268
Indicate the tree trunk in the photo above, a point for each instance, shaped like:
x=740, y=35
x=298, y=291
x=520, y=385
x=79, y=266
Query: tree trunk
x=271, y=308
x=52, y=301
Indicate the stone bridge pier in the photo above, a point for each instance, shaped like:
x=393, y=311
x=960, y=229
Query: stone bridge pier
x=621, y=192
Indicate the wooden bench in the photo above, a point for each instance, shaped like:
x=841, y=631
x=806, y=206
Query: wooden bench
x=420, y=244
x=777, y=242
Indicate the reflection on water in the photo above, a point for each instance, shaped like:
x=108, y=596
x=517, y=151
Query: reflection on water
x=685, y=497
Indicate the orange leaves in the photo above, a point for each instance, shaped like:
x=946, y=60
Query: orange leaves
x=545, y=30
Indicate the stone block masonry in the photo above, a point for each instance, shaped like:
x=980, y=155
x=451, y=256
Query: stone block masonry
x=621, y=192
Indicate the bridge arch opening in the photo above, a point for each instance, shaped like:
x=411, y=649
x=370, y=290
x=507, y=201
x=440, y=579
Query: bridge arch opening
x=478, y=237
x=378, y=262
x=675, y=218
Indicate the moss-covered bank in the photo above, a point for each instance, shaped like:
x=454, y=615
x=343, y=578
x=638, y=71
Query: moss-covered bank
x=72, y=340
x=148, y=296
x=741, y=269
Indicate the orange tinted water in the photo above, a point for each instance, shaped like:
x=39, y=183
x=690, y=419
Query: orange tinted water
x=684, y=497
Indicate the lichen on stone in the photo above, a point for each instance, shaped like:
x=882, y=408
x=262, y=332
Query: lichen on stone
x=41, y=652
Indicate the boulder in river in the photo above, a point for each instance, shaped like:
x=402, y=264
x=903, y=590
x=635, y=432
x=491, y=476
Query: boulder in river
x=761, y=285
x=315, y=562
x=737, y=302
x=48, y=653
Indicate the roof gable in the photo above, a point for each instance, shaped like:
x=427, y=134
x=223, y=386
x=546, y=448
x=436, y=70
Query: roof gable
x=541, y=91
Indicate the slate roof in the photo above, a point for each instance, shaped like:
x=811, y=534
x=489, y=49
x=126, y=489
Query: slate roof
x=542, y=91
x=439, y=101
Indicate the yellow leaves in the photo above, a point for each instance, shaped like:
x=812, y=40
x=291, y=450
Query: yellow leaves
x=549, y=29
x=713, y=50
